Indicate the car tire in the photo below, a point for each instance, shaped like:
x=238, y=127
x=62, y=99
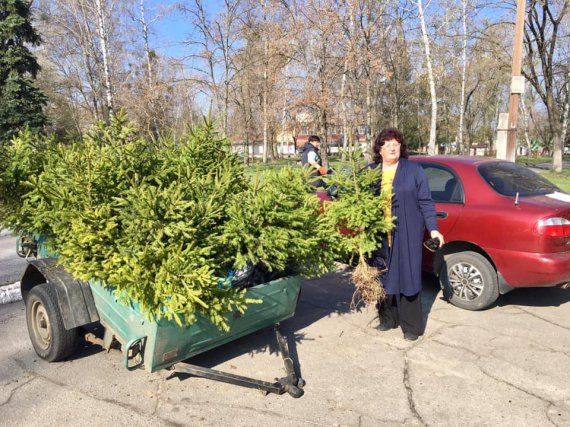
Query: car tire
x=469, y=280
x=50, y=339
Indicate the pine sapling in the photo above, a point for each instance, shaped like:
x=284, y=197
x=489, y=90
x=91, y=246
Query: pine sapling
x=358, y=213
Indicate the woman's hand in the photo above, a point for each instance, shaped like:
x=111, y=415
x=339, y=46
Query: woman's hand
x=436, y=234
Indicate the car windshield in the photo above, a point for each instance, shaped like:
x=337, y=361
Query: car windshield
x=509, y=179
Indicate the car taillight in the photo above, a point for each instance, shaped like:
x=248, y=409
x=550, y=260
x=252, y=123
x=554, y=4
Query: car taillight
x=553, y=227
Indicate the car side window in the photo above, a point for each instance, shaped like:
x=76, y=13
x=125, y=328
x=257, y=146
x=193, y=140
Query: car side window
x=445, y=186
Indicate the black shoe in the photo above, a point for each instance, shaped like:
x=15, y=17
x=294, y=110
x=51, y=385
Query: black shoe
x=382, y=327
x=408, y=336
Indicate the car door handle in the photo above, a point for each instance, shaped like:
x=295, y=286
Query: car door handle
x=440, y=214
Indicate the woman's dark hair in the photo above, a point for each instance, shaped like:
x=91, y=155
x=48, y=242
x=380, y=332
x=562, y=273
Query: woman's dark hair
x=314, y=138
x=387, y=135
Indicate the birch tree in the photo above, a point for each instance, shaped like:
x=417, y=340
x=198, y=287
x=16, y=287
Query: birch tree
x=71, y=50
x=80, y=37
x=101, y=9
x=460, y=147
x=433, y=97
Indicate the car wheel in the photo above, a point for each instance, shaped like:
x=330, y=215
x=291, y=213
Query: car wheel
x=50, y=339
x=469, y=280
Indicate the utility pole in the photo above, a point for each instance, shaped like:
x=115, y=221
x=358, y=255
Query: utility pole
x=517, y=82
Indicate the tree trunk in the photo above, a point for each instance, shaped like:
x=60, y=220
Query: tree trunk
x=432, y=132
x=155, y=128
x=566, y=111
x=103, y=38
x=265, y=93
x=493, y=149
x=324, y=143
x=525, y=124
x=146, y=44
x=555, y=131
x=344, y=112
x=565, y=116
x=418, y=119
x=463, y=73
x=368, y=117
x=284, y=118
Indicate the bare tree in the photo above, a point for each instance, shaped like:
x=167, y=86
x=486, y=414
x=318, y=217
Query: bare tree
x=80, y=38
x=322, y=65
x=215, y=38
x=153, y=90
x=425, y=38
x=101, y=8
x=544, y=19
x=566, y=107
x=463, y=75
x=270, y=68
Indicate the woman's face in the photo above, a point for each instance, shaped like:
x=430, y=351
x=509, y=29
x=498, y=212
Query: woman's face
x=390, y=151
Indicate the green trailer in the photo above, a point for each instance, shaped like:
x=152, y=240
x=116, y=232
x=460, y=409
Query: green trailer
x=57, y=306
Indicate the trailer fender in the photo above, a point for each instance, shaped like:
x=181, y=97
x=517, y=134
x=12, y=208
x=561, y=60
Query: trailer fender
x=74, y=297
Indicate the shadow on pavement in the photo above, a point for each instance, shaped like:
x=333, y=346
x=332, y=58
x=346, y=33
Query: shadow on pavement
x=90, y=341
x=531, y=297
x=319, y=298
x=535, y=297
x=430, y=291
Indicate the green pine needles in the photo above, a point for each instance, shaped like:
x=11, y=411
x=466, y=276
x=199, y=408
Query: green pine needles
x=163, y=222
x=277, y=222
x=359, y=214
x=21, y=103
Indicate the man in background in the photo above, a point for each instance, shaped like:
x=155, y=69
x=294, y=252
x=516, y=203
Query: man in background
x=310, y=156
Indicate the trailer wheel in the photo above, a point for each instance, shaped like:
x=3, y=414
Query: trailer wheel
x=49, y=337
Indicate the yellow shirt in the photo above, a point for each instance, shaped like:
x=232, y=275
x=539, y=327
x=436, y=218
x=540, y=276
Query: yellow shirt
x=387, y=181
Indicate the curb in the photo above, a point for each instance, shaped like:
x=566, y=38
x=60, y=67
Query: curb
x=10, y=293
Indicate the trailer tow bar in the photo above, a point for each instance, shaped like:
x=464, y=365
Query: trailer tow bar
x=290, y=383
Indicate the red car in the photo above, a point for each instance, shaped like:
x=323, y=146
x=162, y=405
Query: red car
x=505, y=227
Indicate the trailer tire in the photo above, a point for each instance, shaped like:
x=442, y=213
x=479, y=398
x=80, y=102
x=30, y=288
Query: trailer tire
x=50, y=339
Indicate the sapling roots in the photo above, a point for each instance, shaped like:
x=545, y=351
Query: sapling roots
x=368, y=289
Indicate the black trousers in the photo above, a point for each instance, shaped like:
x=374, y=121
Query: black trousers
x=400, y=310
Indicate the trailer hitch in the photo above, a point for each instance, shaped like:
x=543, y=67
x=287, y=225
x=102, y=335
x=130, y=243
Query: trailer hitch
x=26, y=246
x=290, y=383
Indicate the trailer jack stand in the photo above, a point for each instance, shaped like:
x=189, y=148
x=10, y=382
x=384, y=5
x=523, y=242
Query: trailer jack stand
x=290, y=384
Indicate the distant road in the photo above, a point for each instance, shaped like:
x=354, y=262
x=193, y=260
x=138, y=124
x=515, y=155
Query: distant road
x=565, y=165
x=11, y=265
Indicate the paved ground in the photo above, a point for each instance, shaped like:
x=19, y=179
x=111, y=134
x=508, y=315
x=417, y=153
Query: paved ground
x=504, y=366
x=547, y=166
x=11, y=265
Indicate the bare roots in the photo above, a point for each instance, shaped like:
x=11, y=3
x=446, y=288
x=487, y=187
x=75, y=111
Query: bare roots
x=367, y=286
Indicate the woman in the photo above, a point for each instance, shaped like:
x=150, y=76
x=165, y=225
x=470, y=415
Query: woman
x=400, y=253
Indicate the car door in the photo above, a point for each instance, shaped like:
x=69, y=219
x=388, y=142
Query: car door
x=447, y=193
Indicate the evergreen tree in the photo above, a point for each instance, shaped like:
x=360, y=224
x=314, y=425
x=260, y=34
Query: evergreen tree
x=359, y=215
x=20, y=102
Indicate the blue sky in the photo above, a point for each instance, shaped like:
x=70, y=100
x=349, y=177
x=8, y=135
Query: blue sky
x=169, y=32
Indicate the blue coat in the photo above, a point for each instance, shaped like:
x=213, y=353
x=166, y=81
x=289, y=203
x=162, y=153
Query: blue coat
x=414, y=210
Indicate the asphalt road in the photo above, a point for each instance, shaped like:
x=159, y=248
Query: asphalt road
x=546, y=166
x=11, y=265
x=504, y=366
